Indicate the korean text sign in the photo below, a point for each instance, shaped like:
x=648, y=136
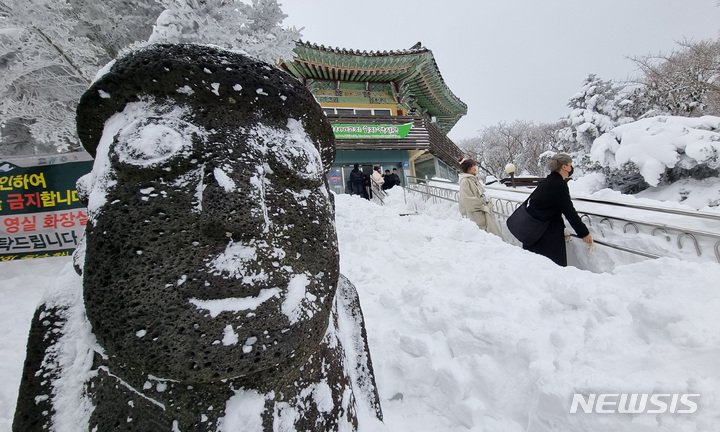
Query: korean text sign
x=40, y=213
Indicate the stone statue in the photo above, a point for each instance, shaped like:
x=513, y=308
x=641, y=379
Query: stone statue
x=210, y=270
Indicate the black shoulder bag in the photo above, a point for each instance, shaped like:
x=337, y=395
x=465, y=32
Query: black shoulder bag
x=524, y=226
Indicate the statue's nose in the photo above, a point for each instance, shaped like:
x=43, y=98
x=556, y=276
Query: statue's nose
x=231, y=205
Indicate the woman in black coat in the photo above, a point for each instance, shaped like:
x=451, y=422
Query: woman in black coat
x=550, y=201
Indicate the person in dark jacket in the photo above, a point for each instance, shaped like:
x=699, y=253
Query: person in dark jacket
x=357, y=181
x=389, y=180
x=550, y=201
x=396, y=177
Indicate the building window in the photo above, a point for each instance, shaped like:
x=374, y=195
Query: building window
x=433, y=167
x=425, y=168
x=358, y=111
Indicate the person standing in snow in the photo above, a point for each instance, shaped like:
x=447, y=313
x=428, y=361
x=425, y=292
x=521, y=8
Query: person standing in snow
x=377, y=177
x=357, y=181
x=473, y=202
x=550, y=201
x=368, y=189
x=389, y=181
x=396, y=178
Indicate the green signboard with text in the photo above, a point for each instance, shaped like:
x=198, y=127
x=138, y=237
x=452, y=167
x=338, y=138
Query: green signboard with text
x=371, y=131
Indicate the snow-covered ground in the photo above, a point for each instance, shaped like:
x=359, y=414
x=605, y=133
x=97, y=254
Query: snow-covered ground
x=468, y=332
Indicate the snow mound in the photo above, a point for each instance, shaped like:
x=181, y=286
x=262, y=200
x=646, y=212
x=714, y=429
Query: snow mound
x=657, y=143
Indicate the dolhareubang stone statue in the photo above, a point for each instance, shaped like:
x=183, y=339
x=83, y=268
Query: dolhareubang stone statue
x=211, y=293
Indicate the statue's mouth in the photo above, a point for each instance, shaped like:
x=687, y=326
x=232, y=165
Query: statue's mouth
x=262, y=271
x=235, y=304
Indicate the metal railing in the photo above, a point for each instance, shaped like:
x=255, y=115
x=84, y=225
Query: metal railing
x=433, y=192
x=602, y=216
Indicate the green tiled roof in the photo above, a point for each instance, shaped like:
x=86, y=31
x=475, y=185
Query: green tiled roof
x=413, y=72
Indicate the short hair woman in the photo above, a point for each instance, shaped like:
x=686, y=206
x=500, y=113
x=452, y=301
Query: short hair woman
x=473, y=202
x=550, y=201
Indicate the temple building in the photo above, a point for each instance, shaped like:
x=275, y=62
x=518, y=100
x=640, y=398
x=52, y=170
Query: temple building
x=388, y=109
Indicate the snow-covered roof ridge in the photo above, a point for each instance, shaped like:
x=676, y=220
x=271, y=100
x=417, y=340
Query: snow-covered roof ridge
x=372, y=53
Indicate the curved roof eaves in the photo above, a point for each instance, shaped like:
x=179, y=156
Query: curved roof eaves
x=431, y=71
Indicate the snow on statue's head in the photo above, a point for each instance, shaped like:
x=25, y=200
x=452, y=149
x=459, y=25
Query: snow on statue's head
x=210, y=250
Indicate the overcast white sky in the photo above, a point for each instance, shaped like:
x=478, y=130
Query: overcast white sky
x=512, y=59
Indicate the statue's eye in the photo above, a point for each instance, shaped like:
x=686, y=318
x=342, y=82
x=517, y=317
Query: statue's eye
x=300, y=157
x=152, y=140
x=296, y=152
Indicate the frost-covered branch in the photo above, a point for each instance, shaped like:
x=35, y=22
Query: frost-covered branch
x=684, y=82
x=51, y=49
x=232, y=24
x=521, y=143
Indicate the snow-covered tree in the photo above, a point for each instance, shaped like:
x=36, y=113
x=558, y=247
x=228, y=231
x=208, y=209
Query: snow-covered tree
x=252, y=28
x=50, y=50
x=521, y=143
x=542, y=144
x=685, y=82
x=597, y=108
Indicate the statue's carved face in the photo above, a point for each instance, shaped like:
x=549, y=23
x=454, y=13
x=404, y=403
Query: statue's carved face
x=210, y=251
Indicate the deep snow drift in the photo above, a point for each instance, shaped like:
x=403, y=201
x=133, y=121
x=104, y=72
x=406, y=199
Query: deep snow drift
x=468, y=332
x=655, y=144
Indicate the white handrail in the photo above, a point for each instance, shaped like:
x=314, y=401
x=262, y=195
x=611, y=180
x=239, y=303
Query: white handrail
x=504, y=206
